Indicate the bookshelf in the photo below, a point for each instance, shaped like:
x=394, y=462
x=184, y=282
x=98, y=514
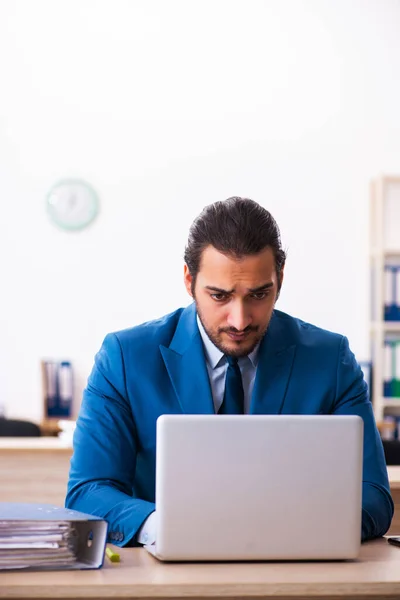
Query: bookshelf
x=385, y=295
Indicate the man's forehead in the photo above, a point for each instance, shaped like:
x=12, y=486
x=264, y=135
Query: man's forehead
x=260, y=268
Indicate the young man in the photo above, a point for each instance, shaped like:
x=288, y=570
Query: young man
x=230, y=351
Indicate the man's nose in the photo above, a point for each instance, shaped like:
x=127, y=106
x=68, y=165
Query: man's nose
x=238, y=318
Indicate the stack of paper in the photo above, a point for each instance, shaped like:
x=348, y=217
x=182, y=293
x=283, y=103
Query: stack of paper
x=48, y=537
x=32, y=544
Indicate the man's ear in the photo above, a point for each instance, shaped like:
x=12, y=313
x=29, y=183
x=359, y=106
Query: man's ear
x=187, y=279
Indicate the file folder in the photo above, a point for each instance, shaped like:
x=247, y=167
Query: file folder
x=396, y=371
x=49, y=374
x=391, y=369
x=57, y=381
x=392, y=291
x=388, y=391
x=43, y=536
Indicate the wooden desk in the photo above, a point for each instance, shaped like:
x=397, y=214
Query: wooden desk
x=376, y=574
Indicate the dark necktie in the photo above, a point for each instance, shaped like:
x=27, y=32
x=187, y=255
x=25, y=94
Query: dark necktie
x=233, y=403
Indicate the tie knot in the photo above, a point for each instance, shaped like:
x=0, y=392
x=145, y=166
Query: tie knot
x=232, y=360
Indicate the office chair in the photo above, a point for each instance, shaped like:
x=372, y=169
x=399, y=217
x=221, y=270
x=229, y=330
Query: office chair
x=17, y=428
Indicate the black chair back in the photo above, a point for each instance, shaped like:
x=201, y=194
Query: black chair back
x=16, y=428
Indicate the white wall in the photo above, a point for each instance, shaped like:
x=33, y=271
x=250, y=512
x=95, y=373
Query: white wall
x=166, y=107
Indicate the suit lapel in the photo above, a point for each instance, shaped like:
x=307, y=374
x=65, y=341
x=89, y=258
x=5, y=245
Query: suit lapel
x=274, y=367
x=186, y=366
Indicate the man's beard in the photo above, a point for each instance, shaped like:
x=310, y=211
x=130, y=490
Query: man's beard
x=216, y=337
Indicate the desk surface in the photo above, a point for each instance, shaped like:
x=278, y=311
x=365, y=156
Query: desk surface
x=375, y=574
x=34, y=443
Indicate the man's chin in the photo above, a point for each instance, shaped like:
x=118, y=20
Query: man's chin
x=238, y=348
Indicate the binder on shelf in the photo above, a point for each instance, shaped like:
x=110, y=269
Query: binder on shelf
x=43, y=536
x=396, y=370
x=57, y=380
x=50, y=386
x=391, y=369
x=65, y=388
x=388, y=369
x=392, y=293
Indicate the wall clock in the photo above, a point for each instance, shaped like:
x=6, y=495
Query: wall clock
x=72, y=204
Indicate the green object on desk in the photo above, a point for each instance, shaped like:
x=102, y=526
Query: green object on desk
x=113, y=556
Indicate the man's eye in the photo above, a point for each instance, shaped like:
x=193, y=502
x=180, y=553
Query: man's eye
x=260, y=295
x=219, y=297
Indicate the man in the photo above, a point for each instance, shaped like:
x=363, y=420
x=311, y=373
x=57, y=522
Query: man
x=228, y=352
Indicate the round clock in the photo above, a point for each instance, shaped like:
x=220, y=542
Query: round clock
x=72, y=204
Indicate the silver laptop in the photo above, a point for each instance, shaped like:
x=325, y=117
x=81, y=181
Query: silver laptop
x=258, y=487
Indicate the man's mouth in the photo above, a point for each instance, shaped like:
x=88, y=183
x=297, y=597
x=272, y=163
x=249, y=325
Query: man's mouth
x=238, y=336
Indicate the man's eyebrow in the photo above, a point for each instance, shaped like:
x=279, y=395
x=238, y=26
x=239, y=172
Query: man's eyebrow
x=260, y=288
x=218, y=290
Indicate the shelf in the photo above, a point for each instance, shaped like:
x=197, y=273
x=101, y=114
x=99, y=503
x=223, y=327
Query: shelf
x=386, y=253
x=384, y=250
x=386, y=326
x=50, y=427
x=390, y=179
x=391, y=402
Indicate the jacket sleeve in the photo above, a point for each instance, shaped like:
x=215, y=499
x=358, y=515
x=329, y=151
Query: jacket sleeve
x=104, y=450
x=352, y=399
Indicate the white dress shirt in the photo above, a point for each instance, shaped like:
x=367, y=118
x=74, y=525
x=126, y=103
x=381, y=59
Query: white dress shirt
x=216, y=366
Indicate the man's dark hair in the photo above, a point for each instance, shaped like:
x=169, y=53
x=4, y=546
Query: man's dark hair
x=237, y=227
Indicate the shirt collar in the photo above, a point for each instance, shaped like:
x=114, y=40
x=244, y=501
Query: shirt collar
x=214, y=354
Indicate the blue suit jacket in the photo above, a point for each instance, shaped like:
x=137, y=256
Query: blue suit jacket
x=159, y=367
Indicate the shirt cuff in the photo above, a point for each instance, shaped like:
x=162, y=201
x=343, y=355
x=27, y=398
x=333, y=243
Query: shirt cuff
x=147, y=532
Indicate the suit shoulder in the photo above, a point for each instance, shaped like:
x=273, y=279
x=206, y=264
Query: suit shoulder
x=150, y=333
x=306, y=333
